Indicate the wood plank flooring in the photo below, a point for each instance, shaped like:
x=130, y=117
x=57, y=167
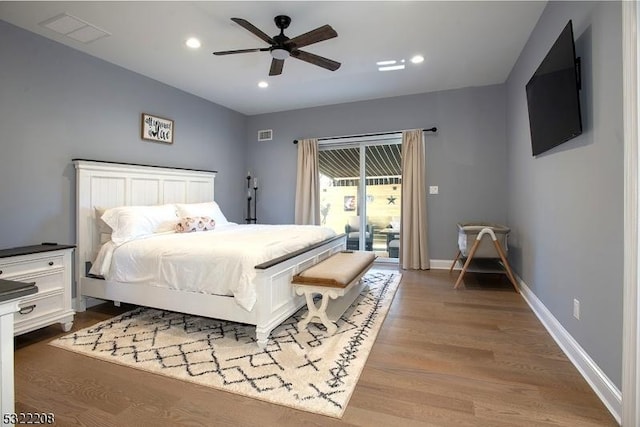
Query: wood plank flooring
x=476, y=356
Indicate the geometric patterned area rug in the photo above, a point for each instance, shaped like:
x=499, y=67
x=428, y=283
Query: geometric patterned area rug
x=306, y=369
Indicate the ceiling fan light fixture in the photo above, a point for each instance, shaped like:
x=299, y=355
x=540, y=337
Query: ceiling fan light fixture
x=279, y=53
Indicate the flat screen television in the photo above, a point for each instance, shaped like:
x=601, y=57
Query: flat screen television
x=553, y=97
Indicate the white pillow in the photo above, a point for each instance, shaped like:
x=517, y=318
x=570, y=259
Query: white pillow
x=131, y=222
x=208, y=209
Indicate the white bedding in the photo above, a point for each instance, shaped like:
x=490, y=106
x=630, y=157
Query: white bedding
x=218, y=262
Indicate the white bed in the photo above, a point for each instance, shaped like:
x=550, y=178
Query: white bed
x=263, y=297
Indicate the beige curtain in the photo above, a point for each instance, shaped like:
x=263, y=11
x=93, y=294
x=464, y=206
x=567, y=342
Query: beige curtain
x=308, y=184
x=414, y=253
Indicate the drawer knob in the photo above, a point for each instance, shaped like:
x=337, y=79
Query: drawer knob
x=28, y=309
x=50, y=263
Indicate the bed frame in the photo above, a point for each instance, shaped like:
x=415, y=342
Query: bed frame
x=105, y=184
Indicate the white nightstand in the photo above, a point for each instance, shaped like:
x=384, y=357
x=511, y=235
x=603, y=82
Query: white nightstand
x=49, y=266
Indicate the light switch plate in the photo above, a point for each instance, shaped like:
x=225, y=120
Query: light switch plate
x=433, y=189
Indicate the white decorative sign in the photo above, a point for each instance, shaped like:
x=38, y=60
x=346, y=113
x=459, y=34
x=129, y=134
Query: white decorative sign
x=157, y=129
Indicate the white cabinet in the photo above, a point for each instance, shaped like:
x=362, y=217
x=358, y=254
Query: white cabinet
x=10, y=294
x=49, y=267
x=7, y=308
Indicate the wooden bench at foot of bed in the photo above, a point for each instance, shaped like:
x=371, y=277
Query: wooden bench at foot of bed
x=338, y=278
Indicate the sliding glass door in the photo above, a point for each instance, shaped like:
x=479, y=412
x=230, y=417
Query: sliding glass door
x=360, y=184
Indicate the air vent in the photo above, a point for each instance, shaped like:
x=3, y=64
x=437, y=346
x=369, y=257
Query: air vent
x=74, y=28
x=265, y=135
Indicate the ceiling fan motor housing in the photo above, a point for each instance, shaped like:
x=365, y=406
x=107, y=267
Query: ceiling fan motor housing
x=282, y=21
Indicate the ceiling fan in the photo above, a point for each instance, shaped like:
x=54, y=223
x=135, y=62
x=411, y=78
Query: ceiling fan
x=282, y=46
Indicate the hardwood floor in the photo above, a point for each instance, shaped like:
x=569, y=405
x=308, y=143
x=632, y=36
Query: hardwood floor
x=476, y=356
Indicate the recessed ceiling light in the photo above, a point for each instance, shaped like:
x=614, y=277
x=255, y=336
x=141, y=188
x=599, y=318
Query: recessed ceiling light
x=193, y=43
x=391, y=68
x=263, y=84
x=417, y=59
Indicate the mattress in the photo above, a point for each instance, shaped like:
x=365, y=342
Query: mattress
x=219, y=262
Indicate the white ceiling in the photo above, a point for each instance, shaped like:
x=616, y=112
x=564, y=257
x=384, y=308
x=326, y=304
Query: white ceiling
x=465, y=44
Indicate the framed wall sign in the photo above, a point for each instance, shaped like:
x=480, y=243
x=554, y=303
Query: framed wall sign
x=349, y=203
x=157, y=129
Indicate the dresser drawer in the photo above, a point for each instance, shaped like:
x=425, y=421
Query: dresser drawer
x=38, y=307
x=30, y=266
x=47, y=282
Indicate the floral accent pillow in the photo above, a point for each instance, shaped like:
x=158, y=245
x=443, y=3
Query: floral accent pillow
x=196, y=223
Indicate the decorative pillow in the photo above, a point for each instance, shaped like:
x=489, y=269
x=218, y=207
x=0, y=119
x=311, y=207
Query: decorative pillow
x=132, y=222
x=208, y=209
x=103, y=228
x=198, y=223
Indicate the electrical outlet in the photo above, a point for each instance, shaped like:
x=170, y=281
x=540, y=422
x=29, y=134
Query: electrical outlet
x=576, y=309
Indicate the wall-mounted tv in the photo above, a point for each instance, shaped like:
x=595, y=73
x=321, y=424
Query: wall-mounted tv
x=553, y=96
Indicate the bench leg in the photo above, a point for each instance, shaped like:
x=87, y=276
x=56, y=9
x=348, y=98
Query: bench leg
x=318, y=312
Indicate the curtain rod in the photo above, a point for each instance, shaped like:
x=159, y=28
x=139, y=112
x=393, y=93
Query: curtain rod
x=433, y=129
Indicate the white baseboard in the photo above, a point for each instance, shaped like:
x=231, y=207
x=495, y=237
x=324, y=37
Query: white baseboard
x=599, y=382
x=443, y=264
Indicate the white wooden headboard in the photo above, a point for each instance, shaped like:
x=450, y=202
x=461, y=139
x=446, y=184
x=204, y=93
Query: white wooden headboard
x=107, y=185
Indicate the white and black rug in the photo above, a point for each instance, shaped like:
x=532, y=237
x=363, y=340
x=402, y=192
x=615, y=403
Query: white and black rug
x=307, y=369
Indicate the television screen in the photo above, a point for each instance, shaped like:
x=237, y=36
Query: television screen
x=552, y=96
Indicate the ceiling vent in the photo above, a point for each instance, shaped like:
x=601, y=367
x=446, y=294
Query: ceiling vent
x=265, y=135
x=74, y=28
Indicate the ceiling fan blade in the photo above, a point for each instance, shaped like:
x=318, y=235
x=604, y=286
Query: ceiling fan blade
x=325, y=32
x=276, y=67
x=230, y=52
x=252, y=28
x=311, y=58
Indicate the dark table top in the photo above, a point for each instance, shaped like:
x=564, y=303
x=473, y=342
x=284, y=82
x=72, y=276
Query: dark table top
x=33, y=249
x=10, y=289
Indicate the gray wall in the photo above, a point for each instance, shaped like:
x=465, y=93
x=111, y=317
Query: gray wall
x=57, y=103
x=566, y=206
x=466, y=158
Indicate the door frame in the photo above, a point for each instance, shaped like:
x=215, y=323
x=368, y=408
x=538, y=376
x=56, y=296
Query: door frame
x=361, y=142
x=630, y=328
